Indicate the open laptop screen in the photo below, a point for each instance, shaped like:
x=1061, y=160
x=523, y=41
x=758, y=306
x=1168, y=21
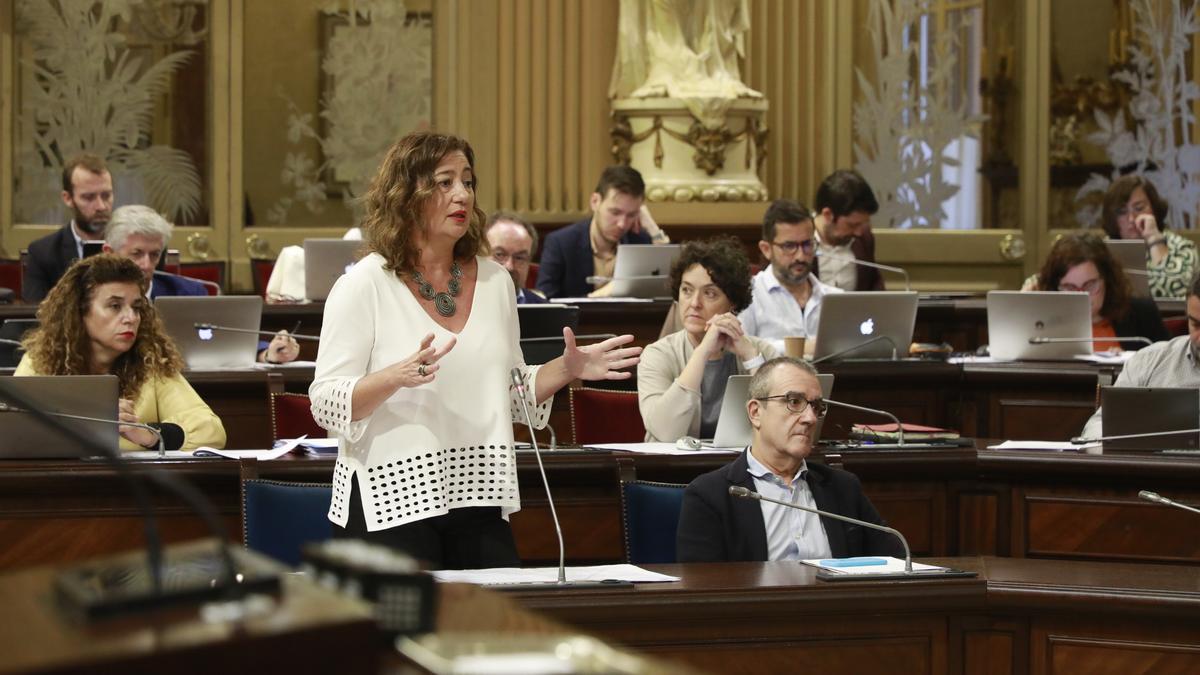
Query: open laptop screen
x=850, y=321
x=26, y=437
x=1015, y=317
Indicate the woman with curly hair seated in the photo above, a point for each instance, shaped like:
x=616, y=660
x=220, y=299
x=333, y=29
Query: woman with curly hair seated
x=681, y=379
x=97, y=321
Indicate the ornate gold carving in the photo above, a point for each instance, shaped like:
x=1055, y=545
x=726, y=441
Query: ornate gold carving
x=257, y=248
x=198, y=246
x=1012, y=247
x=710, y=144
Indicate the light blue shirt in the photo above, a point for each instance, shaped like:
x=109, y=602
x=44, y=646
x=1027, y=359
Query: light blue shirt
x=774, y=314
x=792, y=534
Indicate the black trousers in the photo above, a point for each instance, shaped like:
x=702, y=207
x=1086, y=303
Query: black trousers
x=465, y=538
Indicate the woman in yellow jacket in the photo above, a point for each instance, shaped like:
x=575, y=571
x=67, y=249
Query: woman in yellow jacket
x=97, y=321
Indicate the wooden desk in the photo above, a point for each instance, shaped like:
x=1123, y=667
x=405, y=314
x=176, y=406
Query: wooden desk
x=1018, y=616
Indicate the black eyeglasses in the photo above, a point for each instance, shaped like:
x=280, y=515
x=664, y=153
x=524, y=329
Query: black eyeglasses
x=797, y=403
x=790, y=247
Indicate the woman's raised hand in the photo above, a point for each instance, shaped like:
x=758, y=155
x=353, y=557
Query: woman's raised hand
x=601, y=361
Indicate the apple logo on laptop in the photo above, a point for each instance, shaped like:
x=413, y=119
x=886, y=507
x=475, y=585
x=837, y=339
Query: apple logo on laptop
x=204, y=334
x=867, y=327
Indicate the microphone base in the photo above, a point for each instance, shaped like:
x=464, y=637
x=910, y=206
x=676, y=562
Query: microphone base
x=822, y=575
x=607, y=584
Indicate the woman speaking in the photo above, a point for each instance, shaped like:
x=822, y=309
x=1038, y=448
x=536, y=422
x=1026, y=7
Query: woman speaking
x=413, y=373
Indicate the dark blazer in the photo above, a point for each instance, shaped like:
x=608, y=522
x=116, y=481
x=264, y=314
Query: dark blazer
x=1142, y=320
x=866, y=278
x=49, y=258
x=167, y=284
x=567, y=260
x=528, y=296
x=717, y=527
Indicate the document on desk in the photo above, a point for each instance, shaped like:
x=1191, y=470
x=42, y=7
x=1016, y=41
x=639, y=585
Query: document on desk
x=661, y=449
x=283, y=448
x=285, y=366
x=549, y=575
x=1053, y=446
x=586, y=301
x=1107, y=358
x=865, y=565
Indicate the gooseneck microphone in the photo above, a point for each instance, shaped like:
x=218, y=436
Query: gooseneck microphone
x=11, y=343
x=851, y=406
x=847, y=350
x=746, y=493
x=228, y=329
x=1159, y=499
x=519, y=384
x=1080, y=440
x=1051, y=340
x=866, y=263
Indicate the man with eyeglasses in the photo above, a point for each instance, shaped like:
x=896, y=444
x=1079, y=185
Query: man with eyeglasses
x=845, y=204
x=786, y=295
x=513, y=241
x=784, y=408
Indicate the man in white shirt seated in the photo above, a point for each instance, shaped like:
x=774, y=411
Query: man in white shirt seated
x=844, y=206
x=786, y=296
x=1172, y=363
x=714, y=526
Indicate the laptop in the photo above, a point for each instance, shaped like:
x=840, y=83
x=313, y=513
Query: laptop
x=850, y=320
x=213, y=349
x=541, y=330
x=324, y=261
x=1014, y=317
x=1140, y=410
x=1132, y=256
x=26, y=437
x=643, y=270
x=733, y=425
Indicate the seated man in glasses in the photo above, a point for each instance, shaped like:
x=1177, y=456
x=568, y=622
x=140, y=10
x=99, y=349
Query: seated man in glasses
x=513, y=241
x=714, y=526
x=786, y=296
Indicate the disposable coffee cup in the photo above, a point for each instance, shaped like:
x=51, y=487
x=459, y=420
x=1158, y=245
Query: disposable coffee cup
x=794, y=346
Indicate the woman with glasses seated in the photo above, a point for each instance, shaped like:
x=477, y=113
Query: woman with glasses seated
x=1081, y=262
x=681, y=379
x=1134, y=210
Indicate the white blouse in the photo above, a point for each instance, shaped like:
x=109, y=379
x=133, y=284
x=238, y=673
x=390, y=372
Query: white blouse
x=428, y=449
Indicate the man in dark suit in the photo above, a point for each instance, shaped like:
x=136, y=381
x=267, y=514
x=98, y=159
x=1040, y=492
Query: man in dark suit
x=141, y=234
x=589, y=247
x=513, y=241
x=88, y=192
x=714, y=526
x=844, y=204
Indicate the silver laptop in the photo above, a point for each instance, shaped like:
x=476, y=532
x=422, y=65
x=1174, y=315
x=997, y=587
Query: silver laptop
x=1132, y=256
x=26, y=437
x=213, y=348
x=850, y=321
x=324, y=261
x=1140, y=410
x=733, y=426
x=1015, y=317
x=643, y=270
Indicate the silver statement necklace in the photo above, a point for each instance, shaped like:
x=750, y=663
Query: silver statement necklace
x=442, y=300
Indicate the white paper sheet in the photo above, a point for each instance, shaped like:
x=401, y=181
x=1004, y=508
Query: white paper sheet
x=875, y=564
x=661, y=449
x=539, y=575
x=1041, y=445
x=293, y=364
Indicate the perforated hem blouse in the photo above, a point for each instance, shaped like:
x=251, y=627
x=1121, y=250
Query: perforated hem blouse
x=433, y=448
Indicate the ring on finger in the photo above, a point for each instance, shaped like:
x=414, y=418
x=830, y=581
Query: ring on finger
x=421, y=370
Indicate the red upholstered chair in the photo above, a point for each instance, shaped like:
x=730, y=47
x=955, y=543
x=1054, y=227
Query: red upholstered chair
x=603, y=416
x=10, y=276
x=260, y=271
x=531, y=280
x=211, y=271
x=1176, y=325
x=291, y=417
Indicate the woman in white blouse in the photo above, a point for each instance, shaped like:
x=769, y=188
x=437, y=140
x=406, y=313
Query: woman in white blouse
x=413, y=373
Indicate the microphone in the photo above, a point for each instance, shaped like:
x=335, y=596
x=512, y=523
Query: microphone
x=1159, y=499
x=860, y=345
x=1080, y=440
x=213, y=326
x=176, y=432
x=746, y=493
x=11, y=343
x=1049, y=340
x=851, y=406
x=519, y=384
x=865, y=263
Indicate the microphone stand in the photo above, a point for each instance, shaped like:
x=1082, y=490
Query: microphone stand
x=162, y=451
x=11, y=343
x=519, y=384
x=213, y=326
x=1049, y=340
x=1159, y=499
x=851, y=406
x=867, y=263
x=860, y=345
x=745, y=493
x=1080, y=440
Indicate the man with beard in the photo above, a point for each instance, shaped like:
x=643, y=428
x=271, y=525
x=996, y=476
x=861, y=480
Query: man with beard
x=513, y=241
x=786, y=295
x=845, y=204
x=784, y=408
x=1173, y=363
x=88, y=192
x=589, y=247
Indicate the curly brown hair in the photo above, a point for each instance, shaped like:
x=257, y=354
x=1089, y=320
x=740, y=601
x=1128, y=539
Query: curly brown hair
x=1080, y=247
x=724, y=258
x=396, y=200
x=60, y=345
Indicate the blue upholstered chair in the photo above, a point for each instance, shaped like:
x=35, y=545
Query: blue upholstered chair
x=649, y=517
x=279, y=518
